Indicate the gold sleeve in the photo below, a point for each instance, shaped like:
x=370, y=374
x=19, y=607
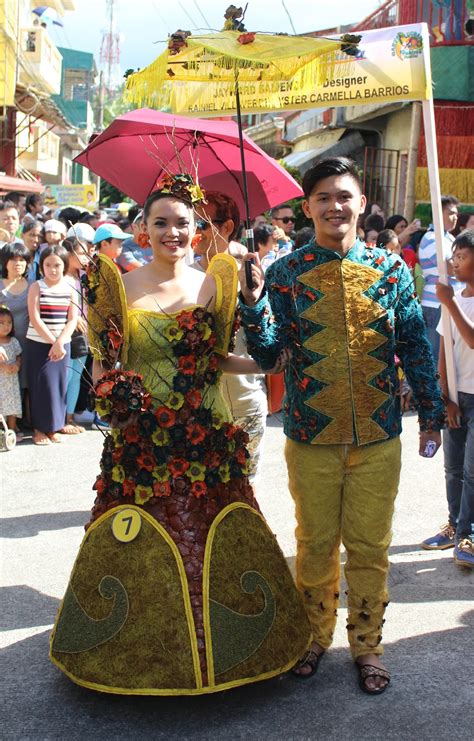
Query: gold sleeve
x=107, y=314
x=224, y=270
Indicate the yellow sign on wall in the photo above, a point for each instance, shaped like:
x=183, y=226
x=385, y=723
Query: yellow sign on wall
x=81, y=196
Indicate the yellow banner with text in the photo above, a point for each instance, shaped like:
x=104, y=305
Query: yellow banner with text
x=391, y=64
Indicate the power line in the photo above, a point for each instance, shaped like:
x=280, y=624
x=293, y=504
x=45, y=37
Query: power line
x=163, y=20
x=289, y=16
x=202, y=14
x=186, y=12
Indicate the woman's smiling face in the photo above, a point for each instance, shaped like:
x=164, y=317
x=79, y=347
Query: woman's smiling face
x=170, y=227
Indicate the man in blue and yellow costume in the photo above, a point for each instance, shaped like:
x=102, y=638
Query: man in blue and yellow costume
x=344, y=310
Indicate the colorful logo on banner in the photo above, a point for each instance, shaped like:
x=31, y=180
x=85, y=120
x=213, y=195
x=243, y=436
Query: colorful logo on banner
x=407, y=45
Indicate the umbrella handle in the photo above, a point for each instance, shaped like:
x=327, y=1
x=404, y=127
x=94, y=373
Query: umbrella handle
x=248, y=274
x=248, y=265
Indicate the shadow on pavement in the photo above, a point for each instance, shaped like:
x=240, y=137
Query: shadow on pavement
x=29, y=525
x=24, y=607
x=44, y=704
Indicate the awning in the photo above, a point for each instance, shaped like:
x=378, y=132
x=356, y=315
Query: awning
x=338, y=147
x=8, y=183
x=39, y=106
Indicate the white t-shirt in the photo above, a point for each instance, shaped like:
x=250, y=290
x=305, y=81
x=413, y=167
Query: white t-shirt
x=463, y=354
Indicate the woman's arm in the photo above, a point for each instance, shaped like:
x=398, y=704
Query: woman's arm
x=71, y=324
x=465, y=327
x=34, y=314
x=57, y=351
x=236, y=365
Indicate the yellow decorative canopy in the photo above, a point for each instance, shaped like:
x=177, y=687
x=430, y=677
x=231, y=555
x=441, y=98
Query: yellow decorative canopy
x=217, y=59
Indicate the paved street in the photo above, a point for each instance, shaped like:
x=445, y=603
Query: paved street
x=429, y=634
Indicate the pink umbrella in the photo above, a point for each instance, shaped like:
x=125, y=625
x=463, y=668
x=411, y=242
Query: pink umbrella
x=140, y=147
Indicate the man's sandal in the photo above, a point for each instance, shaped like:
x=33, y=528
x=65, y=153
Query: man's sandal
x=368, y=670
x=311, y=659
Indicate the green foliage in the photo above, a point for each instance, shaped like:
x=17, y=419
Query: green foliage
x=109, y=194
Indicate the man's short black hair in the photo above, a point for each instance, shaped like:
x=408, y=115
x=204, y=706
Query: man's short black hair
x=327, y=168
x=275, y=210
x=449, y=201
x=464, y=241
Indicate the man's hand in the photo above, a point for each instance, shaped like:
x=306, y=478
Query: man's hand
x=278, y=234
x=429, y=437
x=251, y=295
x=444, y=293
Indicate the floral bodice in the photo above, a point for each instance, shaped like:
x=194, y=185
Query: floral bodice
x=174, y=353
x=172, y=431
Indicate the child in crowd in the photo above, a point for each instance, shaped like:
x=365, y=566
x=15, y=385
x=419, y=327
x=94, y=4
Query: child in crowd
x=53, y=318
x=388, y=240
x=54, y=233
x=458, y=438
x=10, y=362
x=108, y=240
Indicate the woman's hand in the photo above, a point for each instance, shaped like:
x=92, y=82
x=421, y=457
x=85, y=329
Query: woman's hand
x=57, y=351
x=404, y=236
x=281, y=363
x=251, y=295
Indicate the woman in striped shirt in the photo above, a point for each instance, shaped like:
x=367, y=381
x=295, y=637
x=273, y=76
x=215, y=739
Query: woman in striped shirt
x=53, y=318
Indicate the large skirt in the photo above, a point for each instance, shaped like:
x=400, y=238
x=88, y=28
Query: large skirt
x=47, y=382
x=145, y=614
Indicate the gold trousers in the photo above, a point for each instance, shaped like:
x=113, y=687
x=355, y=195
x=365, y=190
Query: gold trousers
x=344, y=493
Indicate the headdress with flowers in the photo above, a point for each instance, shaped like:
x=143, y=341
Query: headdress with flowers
x=181, y=186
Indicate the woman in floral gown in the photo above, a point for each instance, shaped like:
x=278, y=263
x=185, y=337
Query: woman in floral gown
x=179, y=586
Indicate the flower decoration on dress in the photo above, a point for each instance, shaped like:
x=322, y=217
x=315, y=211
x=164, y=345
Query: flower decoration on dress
x=181, y=186
x=119, y=396
x=175, y=445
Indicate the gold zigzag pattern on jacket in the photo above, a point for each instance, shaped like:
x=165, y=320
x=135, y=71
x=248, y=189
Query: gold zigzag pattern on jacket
x=346, y=341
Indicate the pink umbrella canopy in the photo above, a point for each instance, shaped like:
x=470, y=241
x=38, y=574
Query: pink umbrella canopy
x=141, y=147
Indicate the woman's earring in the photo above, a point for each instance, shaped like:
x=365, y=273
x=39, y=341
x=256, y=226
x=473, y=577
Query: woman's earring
x=143, y=240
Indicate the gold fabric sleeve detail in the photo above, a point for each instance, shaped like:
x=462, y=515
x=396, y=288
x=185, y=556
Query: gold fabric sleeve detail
x=224, y=270
x=108, y=312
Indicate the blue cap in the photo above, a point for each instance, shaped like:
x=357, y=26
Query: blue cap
x=110, y=231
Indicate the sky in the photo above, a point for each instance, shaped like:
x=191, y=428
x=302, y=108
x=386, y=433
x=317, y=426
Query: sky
x=142, y=23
